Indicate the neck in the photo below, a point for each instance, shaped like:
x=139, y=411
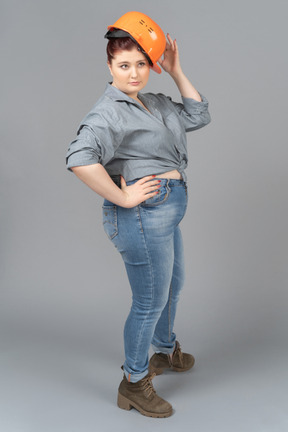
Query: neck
x=132, y=96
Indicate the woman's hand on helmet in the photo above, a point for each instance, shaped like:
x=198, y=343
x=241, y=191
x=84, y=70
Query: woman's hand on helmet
x=170, y=61
x=145, y=188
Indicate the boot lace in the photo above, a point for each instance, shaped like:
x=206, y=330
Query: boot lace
x=179, y=353
x=148, y=386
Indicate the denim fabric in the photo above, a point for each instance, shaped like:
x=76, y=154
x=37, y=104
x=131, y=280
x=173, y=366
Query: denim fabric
x=149, y=239
x=129, y=140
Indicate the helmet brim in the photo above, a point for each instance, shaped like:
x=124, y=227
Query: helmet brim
x=156, y=68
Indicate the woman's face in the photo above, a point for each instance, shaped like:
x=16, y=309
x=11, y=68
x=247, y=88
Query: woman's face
x=130, y=71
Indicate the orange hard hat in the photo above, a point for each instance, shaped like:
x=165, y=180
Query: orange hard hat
x=145, y=32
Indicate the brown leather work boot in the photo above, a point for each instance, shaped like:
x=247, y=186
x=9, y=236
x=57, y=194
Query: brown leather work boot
x=180, y=362
x=142, y=396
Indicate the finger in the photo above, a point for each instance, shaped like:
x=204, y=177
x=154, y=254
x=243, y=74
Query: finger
x=176, y=46
x=172, y=43
x=154, y=189
x=123, y=182
x=151, y=194
x=152, y=183
x=146, y=179
x=170, y=39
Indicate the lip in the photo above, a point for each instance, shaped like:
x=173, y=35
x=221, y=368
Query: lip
x=134, y=83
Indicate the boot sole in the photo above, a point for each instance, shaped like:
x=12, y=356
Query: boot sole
x=127, y=405
x=173, y=369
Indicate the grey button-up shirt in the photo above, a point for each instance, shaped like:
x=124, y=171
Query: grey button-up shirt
x=129, y=140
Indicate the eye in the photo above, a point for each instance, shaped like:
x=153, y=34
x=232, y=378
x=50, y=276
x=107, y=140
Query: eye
x=124, y=66
x=141, y=64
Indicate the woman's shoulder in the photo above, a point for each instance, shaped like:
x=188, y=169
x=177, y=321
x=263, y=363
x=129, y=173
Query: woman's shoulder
x=159, y=99
x=103, y=112
x=157, y=96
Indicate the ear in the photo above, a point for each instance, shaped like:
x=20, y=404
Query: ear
x=109, y=66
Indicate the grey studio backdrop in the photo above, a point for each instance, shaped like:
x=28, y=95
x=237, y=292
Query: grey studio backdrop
x=64, y=293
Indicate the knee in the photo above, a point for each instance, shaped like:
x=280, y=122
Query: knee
x=152, y=305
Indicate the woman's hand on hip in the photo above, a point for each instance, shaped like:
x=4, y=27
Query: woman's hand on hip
x=135, y=194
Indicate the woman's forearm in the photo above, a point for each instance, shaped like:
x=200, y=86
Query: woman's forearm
x=171, y=64
x=185, y=86
x=96, y=177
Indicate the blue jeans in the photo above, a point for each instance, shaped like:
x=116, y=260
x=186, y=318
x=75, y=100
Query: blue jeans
x=149, y=239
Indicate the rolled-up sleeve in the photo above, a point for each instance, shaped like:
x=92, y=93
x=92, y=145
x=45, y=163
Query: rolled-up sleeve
x=96, y=142
x=84, y=150
x=194, y=114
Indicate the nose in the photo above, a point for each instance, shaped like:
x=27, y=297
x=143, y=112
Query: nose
x=133, y=72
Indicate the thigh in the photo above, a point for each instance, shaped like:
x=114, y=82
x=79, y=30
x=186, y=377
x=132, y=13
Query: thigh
x=146, y=237
x=148, y=258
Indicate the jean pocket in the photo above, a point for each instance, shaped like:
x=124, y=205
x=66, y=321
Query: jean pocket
x=109, y=214
x=159, y=198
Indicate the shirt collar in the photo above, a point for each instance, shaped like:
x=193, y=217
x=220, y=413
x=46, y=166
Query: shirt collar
x=117, y=95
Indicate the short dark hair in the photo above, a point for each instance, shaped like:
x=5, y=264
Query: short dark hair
x=120, y=44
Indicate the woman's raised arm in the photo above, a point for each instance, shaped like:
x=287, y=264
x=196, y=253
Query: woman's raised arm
x=171, y=64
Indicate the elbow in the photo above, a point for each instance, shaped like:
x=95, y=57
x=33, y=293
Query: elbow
x=207, y=119
x=75, y=169
x=80, y=168
x=200, y=123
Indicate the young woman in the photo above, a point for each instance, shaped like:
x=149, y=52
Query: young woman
x=131, y=150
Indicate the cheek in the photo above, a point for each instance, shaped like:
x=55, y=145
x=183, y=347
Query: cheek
x=116, y=74
x=147, y=74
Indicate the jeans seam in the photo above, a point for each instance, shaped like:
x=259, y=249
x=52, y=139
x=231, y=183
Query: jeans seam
x=113, y=210
x=169, y=313
x=139, y=218
x=152, y=283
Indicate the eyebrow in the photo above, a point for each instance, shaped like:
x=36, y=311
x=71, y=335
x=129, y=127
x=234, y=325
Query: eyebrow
x=127, y=62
